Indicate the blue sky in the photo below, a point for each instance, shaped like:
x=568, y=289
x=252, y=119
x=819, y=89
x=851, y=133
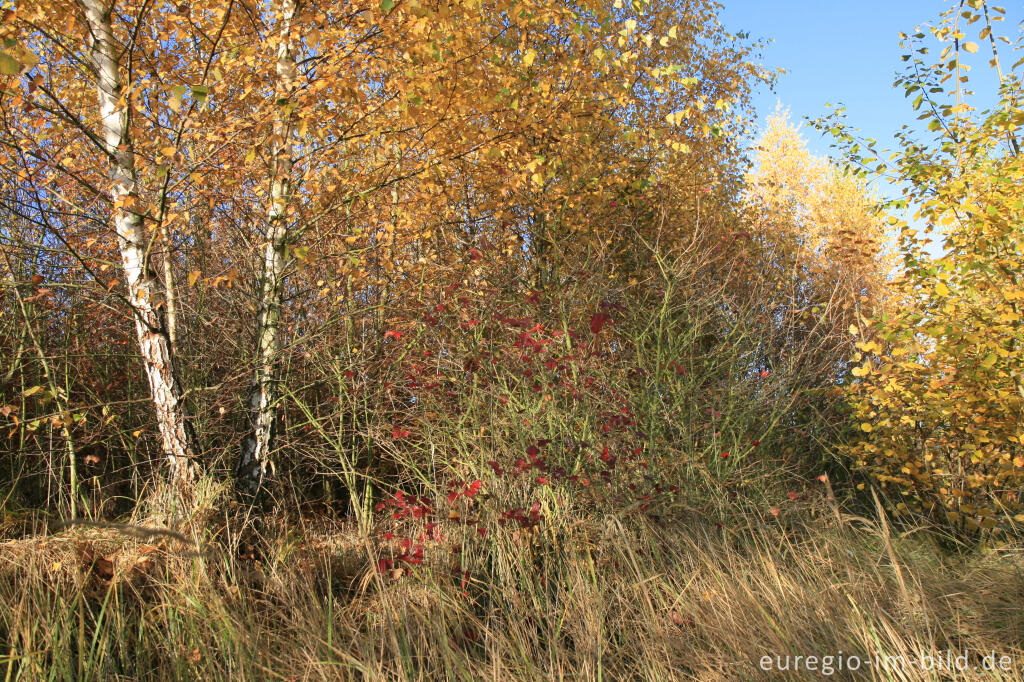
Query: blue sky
x=848, y=52
x=834, y=51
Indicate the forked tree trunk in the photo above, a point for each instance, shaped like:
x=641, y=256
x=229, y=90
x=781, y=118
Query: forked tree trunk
x=263, y=394
x=143, y=287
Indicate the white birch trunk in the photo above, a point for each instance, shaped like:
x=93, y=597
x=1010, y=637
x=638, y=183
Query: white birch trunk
x=143, y=287
x=263, y=394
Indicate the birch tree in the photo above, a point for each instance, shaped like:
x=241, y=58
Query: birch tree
x=263, y=396
x=144, y=294
x=93, y=130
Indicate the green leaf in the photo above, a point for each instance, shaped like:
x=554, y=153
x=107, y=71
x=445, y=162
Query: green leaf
x=387, y=5
x=177, y=92
x=9, y=66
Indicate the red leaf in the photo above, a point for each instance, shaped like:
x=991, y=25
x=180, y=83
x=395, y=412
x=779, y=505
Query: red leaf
x=792, y=495
x=598, y=321
x=391, y=333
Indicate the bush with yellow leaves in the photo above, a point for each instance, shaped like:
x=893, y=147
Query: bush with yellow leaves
x=937, y=387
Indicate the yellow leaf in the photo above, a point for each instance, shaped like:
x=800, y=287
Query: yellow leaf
x=971, y=47
x=866, y=427
x=853, y=330
x=529, y=57
x=941, y=289
x=862, y=370
x=168, y=151
x=193, y=277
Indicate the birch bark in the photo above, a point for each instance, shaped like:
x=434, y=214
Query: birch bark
x=263, y=393
x=144, y=295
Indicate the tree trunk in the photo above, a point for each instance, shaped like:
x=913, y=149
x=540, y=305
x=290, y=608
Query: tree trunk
x=263, y=394
x=143, y=287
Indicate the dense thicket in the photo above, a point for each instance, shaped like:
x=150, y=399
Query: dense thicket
x=328, y=232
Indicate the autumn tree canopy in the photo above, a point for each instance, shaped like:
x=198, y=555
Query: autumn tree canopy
x=164, y=160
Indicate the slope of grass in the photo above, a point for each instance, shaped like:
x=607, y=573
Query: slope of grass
x=704, y=594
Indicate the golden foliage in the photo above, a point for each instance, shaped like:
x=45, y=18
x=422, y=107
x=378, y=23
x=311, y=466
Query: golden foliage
x=940, y=394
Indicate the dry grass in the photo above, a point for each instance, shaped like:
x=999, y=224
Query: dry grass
x=580, y=598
